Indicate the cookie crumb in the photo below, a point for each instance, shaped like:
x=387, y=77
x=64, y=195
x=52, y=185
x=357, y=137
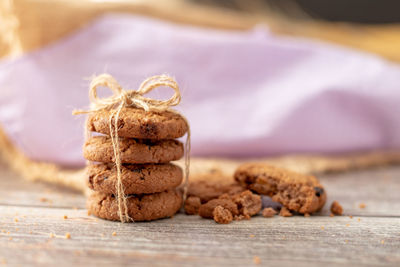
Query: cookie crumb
x=241, y=217
x=222, y=215
x=351, y=217
x=382, y=242
x=114, y=234
x=15, y=219
x=251, y=236
x=3, y=231
x=268, y=212
x=249, y=204
x=346, y=241
x=331, y=215
x=359, y=220
x=16, y=229
x=30, y=232
x=65, y=217
x=192, y=205
x=285, y=212
x=307, y=215
x=10, y=238
x=362, y=206
x=43, y=199
x=322, y=227
x=8, y=233
x=52, y=235
x=67, y=235
x=336, y=208
x=347, y=225
x=256, y=260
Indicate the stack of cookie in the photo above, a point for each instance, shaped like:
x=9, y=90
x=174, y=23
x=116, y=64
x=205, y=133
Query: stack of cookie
x=147, y=145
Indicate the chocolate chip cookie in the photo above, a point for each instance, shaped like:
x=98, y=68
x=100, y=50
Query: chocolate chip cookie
x=139, y=151
x=297, y=192
x=140, y=207
x=136, y=179
x=137, y=123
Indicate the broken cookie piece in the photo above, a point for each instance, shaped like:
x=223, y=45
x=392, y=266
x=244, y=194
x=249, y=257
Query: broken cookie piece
x=297, y=192
x=222, y=215
x=241, y=206
x=206, y=210
x=192, y=205
x=248, y=204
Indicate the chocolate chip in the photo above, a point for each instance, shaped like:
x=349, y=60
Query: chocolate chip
x=91, y=179
x=148, y=130
x=267, y=202
x=137, y=169
x=318, y=191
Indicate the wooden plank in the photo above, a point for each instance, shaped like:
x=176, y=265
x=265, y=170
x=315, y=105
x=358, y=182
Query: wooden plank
x=16, y=191
x=378, y=189
x=190, y=240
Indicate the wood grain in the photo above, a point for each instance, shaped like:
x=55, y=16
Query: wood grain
x=190, y=240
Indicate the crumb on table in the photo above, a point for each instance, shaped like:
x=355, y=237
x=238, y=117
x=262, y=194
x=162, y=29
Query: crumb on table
x=285, y=212
x=268, y=212
x=256, y=260
x=336, y=208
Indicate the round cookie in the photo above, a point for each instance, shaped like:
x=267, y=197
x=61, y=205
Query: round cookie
x=140, y=207
x=297, y=192
x=137, y=123
x=136, y=179
x=139, y=151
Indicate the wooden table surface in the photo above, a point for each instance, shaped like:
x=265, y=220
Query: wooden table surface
x=33, y=230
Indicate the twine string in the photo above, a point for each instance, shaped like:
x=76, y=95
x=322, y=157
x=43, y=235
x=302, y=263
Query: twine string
x=133, y=98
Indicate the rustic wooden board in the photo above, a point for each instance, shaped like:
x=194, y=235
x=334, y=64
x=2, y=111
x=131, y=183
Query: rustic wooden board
x=370, y=238
x=192, y=240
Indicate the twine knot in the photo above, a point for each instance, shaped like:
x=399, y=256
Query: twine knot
x=132, y=98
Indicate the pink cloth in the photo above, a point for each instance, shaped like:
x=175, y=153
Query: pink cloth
x=244, y=93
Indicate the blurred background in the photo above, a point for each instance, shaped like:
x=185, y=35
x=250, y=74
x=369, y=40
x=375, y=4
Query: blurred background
x=259, y=77
x=365, y=24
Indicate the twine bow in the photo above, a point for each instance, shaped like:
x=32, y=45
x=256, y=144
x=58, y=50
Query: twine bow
x=132, y=98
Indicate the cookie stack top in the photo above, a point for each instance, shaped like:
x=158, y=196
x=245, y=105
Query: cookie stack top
x=137, y=123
